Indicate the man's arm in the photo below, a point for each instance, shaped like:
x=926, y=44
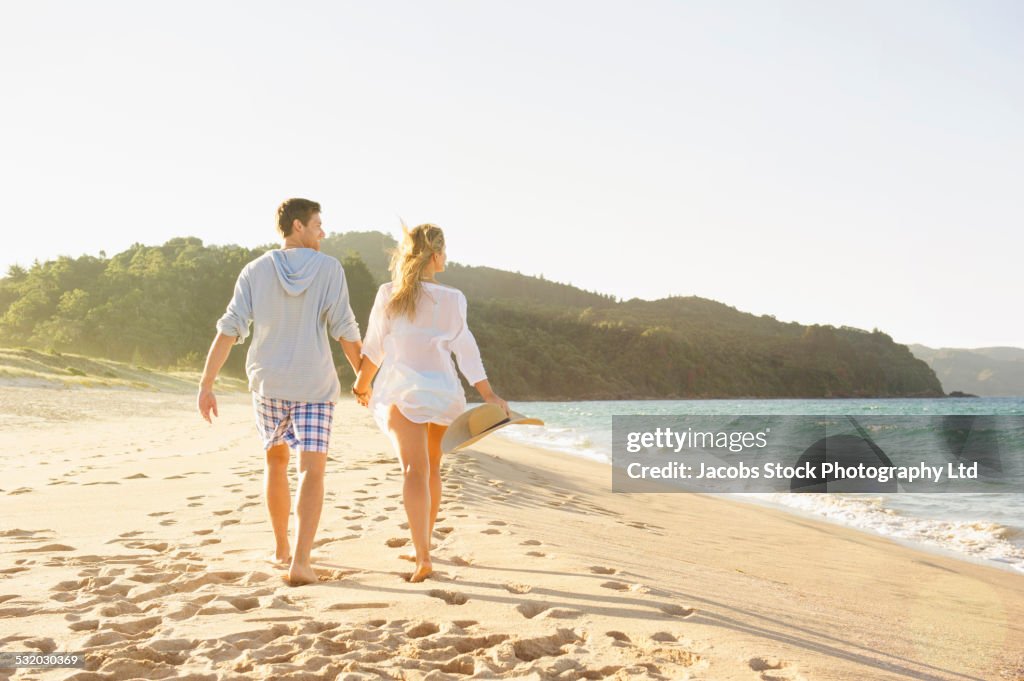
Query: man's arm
x=219, y=351
x=353, y=353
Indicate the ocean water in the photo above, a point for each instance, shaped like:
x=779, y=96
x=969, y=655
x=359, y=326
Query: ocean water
x=987, y=528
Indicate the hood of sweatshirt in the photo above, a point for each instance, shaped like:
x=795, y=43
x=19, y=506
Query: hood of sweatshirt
x=297, y=268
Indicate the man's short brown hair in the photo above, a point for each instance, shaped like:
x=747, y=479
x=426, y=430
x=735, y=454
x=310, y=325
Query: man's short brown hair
x=295, y=209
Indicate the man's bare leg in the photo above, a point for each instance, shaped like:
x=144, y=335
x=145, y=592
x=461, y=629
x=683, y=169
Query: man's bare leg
x=278, y=498
x=308, y=506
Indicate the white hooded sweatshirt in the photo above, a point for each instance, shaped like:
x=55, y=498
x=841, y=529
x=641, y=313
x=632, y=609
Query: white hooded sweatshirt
x=296, y=299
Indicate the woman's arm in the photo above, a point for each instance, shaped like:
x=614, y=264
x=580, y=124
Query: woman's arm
x=372, y=350
x=361, y=388
x=487, y=393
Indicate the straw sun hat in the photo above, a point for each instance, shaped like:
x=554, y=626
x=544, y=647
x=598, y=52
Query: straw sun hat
x=480, y=422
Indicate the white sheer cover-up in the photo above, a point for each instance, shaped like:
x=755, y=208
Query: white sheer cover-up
x=417, y=373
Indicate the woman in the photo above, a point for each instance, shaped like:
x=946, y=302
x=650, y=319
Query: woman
x=415, y=326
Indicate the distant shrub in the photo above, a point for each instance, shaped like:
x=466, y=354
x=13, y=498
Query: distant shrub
x=75, y=372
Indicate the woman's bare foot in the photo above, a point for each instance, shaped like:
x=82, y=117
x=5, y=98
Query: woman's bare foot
x=300, y=574
x=278, y=559
x=423, y=570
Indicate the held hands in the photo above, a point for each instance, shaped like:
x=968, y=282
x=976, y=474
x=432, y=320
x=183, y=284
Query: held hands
x=207, y=402
x=362, y=396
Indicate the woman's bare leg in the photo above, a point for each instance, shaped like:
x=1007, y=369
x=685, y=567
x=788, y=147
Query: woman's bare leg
x=434, y=434
x=410, y=439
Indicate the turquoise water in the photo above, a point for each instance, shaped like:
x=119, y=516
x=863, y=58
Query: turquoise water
x=982, y=527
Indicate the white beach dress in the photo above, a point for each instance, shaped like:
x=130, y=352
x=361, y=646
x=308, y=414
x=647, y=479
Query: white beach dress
x=415, y=356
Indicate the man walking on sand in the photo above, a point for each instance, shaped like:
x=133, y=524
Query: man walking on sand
x=295, y=297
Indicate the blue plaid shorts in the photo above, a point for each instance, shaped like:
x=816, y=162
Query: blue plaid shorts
x=305, y=426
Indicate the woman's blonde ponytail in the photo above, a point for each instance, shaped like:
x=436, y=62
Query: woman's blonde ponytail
x=408, y=261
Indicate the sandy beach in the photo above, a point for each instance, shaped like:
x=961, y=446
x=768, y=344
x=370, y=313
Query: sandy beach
x=135, y=533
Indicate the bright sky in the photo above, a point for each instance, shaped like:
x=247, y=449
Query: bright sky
x=856, y=163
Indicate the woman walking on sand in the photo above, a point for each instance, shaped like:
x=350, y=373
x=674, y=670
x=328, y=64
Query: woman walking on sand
x=415, y=326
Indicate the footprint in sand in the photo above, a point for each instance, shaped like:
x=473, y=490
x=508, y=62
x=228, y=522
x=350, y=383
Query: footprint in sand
x=491, y=531
x=224, y=512
x=536, y=554
x=145, y=625
x=676, y=610
x=324, y=542
x=137, y=476
x=158, y=546
x=774, y=669
x=24, y=533
x=48, y=548
x=157, y=514
x=396, y=542
x=449, y=597
x=514, y=588
x=202, y=532
x=615, y=586
x=422, y=629
x=498, y=523
x=334, y=575
x=543, y=610
x=529, y=542
x=599, y=570
x=358, y=606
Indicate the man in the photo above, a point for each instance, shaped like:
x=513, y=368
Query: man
x=294, y=297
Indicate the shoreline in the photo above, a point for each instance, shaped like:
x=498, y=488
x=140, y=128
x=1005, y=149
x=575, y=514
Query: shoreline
x=134, y=531
x=821, y=515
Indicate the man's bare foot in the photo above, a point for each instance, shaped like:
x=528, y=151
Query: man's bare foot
x=423, y=570
x=299, y=575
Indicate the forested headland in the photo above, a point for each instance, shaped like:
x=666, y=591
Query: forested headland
x=155, y=306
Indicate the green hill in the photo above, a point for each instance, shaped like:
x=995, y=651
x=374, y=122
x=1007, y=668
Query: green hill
x=986, y=372
x=156, y=306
